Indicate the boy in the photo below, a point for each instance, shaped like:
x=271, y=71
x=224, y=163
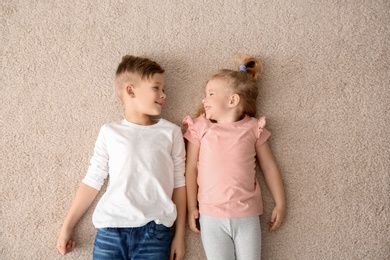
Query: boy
x=145, y=160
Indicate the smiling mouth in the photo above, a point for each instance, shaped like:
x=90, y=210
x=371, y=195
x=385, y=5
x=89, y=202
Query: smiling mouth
x=206, y=108
x=158, y=103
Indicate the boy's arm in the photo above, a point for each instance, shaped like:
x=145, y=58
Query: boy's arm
x=274, y=182
x=178, y=245
x=192, y=185
x=85, y=195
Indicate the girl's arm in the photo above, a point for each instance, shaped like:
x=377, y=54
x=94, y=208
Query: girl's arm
x=84, y=197
x=178, y=246
x=274, y=182
x=192, y=185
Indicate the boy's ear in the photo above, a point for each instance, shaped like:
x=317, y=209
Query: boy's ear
x=129, y=90
x=234, y=100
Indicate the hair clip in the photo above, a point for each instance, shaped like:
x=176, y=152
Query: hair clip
x=243, y=68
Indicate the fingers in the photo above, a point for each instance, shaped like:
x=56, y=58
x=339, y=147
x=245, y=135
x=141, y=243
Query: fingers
x=273, y=226
x=66, y=248
x=193, y=215
x=192, y=223
x=61, y=246
x=196, y=214
x=175, y=255
x=177, y=249
x=275, y=222
x=61, y=249
x=70, y=246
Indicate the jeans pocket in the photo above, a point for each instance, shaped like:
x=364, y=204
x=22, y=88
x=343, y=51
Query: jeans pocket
x=160, y=232
x=108, y=244
x=107, y=239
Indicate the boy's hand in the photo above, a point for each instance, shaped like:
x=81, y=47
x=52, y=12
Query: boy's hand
x=276, y=218
x=65, y=243
x=177, y=249
x=193, y=215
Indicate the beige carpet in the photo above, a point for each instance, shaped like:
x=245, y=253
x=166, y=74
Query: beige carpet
x=325, y=92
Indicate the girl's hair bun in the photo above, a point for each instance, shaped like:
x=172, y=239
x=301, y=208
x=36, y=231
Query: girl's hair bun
x=253, y=66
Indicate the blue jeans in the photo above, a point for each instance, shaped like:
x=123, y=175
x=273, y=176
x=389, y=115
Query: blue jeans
x=149, y=242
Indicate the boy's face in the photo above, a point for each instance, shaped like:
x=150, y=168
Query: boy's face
x=148, y=95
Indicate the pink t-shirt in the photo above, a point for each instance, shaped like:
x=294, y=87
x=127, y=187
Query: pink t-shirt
x=228, y=187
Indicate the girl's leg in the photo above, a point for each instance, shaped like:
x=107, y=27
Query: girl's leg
x=216, y=239
x=246, y=234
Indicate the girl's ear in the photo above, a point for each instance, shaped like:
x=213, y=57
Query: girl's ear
x=234, y=100
x=129, y=90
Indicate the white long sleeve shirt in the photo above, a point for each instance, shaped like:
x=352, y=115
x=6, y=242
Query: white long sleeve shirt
x=144, y=165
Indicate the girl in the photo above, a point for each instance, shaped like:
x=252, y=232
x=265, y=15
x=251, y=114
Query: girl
x=223, y=144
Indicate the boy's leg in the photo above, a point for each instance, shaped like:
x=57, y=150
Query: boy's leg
x=216, y=239
x=109, y=244
x=247, y=238
x=150, y=242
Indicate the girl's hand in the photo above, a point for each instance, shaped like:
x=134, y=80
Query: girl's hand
x=65, y=243
x=276, y=218
x=193, y=215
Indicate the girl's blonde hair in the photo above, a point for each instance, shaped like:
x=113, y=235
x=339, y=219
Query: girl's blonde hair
x=242, y=82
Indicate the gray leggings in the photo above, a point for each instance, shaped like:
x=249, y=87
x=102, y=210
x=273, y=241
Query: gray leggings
x=230, y=239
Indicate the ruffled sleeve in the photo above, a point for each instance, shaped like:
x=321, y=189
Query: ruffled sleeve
x=187, y=121
x=262, y=133
x=191, y=133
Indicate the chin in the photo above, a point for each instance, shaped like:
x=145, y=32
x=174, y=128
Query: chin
x=154, y=113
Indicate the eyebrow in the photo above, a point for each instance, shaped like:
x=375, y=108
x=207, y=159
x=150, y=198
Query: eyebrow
x=157, y=83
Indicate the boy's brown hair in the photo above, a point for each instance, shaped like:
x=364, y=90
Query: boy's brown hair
x=144, y=67
x=131, y=67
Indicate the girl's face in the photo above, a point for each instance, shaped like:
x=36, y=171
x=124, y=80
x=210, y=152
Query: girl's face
x=216, y=102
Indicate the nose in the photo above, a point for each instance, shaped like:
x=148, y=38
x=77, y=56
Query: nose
x=204, y=100
x=163, y=95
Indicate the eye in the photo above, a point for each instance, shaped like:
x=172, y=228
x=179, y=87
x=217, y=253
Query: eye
x=155, y=88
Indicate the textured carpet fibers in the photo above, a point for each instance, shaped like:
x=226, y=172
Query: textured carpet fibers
x=324, y=91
